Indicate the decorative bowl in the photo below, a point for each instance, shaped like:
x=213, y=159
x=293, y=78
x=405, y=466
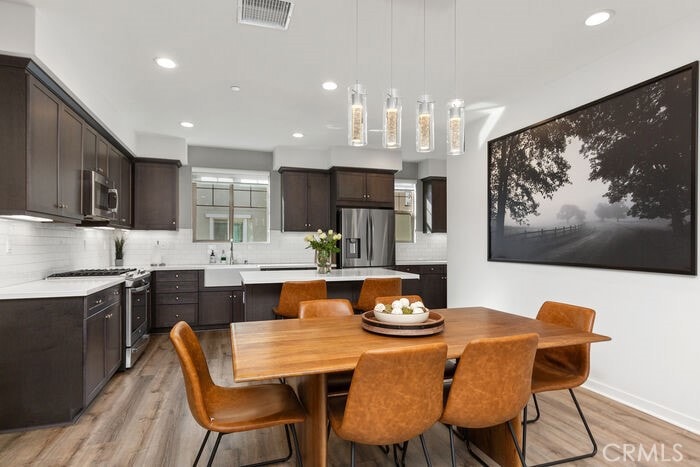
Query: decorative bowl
x=402, y=319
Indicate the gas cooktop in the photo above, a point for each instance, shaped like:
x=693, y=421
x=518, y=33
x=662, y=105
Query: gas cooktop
x=94, y=272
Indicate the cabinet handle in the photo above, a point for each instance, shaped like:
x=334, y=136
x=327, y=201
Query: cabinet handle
x=230, y=296
x=177, y=276
x=177, y=286
x=177, y=316
x=138, y=299
x=173, y=222
x=100, y=170
x=177, y=298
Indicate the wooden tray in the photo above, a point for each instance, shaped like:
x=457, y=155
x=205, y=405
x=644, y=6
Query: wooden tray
x=433, y=325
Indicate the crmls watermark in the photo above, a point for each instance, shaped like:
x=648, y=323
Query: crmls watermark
x=629, y=452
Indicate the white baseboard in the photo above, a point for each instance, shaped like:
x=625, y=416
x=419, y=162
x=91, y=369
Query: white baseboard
x=664, y=413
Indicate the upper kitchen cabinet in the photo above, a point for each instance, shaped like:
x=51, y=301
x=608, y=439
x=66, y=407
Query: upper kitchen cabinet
x=435, y=205
x=155, y=194
x=357, y=188
x=119, y=174
x=47, y=140
x=305, y=200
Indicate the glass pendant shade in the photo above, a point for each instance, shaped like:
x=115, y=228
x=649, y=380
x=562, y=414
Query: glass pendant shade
x=357, y=115
x=391, y=138
x=425, y=124
x=456, y=142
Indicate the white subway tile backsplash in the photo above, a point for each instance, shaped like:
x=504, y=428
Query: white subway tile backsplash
x=37, y=250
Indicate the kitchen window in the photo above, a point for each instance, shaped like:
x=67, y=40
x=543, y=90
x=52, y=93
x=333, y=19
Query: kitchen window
x=405, y=210
x=230, y=204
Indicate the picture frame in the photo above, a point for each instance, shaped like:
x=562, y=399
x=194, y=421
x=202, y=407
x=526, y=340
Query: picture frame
x=610, y=184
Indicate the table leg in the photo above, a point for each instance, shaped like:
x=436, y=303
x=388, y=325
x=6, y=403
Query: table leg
x=496, y=442
x=312, y=392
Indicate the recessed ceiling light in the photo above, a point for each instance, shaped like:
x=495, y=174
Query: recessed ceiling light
x=186, y=124
x=330, y=85
x=165, y=62
x=298, y=135
x=599, y=17
x=235, y=88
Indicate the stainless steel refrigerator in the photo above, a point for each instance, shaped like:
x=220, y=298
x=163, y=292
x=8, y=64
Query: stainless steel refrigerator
x=368, y=237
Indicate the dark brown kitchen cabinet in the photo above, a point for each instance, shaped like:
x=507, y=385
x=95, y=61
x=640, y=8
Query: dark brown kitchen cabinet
x=175, y=298
x=220, y=307
x=432, y=285
x=47, y=140
x=103, y=339
x=155, y=194
x=435, y=205
x=124, y=213
x=353, y=188
x=305, y=200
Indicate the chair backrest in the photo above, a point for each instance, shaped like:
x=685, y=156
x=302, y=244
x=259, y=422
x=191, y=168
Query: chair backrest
x=294, y=292
x=492, y=382
x=325, y=308
x=575, y=359
x=395, y=394
x=377, y=287
x=387, y=301
x=195, y=370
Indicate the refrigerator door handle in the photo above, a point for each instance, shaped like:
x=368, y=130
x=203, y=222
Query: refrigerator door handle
x=371, y=240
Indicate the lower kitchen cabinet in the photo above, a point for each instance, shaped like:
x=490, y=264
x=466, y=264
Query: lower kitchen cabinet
x=57, y=354
x=103, y=340
x=432, y=286
x=220, y=307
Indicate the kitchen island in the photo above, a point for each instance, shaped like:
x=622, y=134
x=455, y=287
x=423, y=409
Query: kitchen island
x=262, y=288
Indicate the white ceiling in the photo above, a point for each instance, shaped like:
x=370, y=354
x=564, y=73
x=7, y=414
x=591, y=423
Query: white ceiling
x=505, y=47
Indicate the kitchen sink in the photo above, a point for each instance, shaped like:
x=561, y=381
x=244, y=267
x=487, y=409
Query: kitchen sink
x=226, y=275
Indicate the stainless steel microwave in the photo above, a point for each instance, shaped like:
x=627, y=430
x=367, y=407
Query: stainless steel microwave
x=100, y=198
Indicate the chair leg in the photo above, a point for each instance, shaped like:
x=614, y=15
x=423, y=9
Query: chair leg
x=289, y=449
x=590, y=437
x=521, y=455
x=213, y=452
x=201, y=448
x=524, y=431
x=352, y=454
x=537, y=411
x=425, y=450
x=452, y=446
x=300, y=463
x=473, y=454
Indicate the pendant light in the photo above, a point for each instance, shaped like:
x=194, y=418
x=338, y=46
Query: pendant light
x=456, y=142
x=391, y=136
x=357, y=101
x=425, y=109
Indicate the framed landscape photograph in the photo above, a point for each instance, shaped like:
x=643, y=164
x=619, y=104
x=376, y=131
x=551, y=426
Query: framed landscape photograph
x=611, y=184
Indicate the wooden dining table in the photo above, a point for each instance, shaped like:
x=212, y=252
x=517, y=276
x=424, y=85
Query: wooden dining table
x=305, y=351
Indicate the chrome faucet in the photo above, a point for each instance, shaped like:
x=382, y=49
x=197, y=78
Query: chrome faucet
x=230, y=252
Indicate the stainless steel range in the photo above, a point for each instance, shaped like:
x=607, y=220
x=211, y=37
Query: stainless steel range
x=137, y=305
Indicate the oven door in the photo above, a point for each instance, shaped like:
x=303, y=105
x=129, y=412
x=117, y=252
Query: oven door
x=137, y=304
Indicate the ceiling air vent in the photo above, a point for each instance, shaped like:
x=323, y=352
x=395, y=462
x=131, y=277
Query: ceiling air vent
x=273, y=14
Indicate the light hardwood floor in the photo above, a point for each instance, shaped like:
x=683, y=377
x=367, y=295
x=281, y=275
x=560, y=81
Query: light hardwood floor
x=142, y=419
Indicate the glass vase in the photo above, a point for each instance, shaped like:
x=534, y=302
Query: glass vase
x=323, y=262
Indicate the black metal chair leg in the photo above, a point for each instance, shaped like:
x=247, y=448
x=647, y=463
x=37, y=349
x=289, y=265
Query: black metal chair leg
x=537, y=411
x=425, y=450
x=300, y=463
x=281, y=459
x=590, y=437
x=216, y=446
x=472, y=453
x=452, y=446
x=201, y=448
x=524, y=431
x=515, y=442
x=352, y=453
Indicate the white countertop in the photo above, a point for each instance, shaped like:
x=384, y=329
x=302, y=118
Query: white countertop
x=55, y=288
x=336, y=275
x=172, y=267
x=420, y=262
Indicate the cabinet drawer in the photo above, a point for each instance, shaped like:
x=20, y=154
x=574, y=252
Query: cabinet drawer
x=103, y=298
x=176, y=287
x=167, y=315
x=406, y=268
x=175, y=276
x=176, y=298
x=433, y=269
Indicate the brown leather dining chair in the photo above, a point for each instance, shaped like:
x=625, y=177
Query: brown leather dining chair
x=376, y=287
x=564, y=367
x=325, y=308
x=451, y=364
x=232, y=409
x=294, y=292
x=338, y=383
x=395, y=395
x=490, y=387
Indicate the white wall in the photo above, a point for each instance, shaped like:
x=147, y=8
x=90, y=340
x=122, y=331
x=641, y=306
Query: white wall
x=161, y=147
x=652, y=362
x=17, y=29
